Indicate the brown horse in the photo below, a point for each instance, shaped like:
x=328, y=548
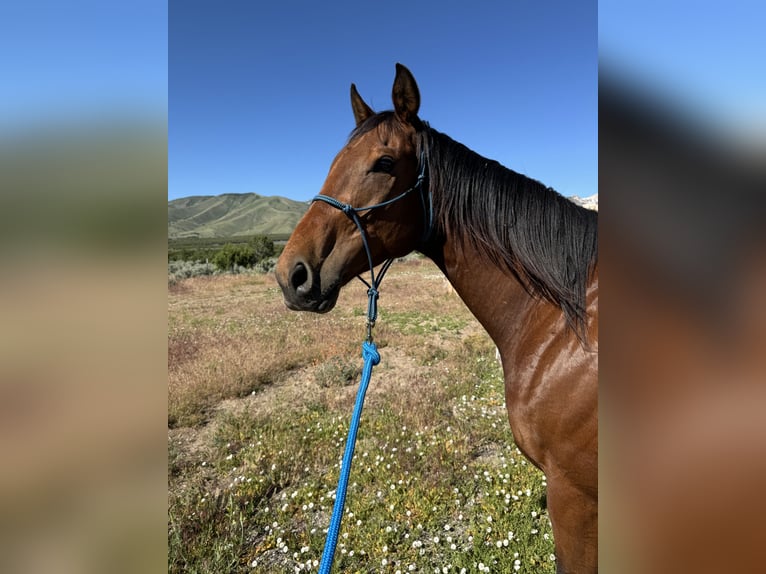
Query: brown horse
x=522, y=258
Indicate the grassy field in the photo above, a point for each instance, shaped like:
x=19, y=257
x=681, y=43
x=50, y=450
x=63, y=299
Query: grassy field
x=259, y=403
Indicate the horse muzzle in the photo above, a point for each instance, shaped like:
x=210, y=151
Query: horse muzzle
x=302, y=288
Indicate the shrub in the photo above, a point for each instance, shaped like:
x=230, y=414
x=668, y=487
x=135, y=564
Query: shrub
x=231, y=256
x=337, y=372
x=266, y=265
x=262, y=247
x=178, y=270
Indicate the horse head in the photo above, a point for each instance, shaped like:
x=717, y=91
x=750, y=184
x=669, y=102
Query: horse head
x=341, y=236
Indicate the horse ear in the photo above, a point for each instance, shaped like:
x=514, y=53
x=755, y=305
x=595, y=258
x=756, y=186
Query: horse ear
x=361, y=110
x=405, y=95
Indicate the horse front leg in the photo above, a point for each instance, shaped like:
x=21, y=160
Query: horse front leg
x=574, y=518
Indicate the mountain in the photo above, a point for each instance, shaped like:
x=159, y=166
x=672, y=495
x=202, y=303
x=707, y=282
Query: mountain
x=235, y=214
x=590, y=202
x=232, y=214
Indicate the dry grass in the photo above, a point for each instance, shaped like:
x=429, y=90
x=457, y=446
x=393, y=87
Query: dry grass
x=259, y=403
x=230, y=336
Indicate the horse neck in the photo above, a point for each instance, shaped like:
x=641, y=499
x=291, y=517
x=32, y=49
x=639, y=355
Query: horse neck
x=498, y=300
x=467, y=191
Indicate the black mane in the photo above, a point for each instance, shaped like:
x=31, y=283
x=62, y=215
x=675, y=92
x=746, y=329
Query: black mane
x=546, y=240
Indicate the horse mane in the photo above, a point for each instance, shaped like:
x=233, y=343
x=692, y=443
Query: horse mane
x=548, y=242
x=545, y=240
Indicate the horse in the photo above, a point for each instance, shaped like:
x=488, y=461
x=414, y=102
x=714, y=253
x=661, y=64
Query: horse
x=522, y=257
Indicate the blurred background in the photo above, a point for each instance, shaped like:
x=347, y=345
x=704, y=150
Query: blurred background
x=682, y=176
x=83, y=173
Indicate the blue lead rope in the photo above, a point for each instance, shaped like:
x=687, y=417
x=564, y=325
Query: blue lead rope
x=371, y=358
x=369, y=350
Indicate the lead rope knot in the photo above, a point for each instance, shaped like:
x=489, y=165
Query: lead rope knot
x=370, y=352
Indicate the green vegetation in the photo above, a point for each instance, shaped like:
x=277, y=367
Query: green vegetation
x=208, y=257
x=244, y=255
x=259, y=404
x=204, y=249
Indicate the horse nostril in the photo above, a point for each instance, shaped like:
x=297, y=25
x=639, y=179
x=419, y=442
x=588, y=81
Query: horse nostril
x=299, y=278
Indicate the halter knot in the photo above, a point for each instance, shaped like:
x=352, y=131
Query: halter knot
x=372, y=305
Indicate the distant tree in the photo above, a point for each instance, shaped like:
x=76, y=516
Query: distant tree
x=263, y=247
x=234, y=255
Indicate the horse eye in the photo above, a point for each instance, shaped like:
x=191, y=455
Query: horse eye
x=384, y=164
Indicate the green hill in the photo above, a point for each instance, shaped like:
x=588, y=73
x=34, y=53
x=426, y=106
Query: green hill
x=232, y=214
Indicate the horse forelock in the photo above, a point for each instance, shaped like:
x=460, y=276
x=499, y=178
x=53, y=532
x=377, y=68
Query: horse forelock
x=387, y=124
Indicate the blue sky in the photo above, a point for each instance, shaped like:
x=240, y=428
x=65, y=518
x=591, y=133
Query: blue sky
x=81, y=60
x=258, y=91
